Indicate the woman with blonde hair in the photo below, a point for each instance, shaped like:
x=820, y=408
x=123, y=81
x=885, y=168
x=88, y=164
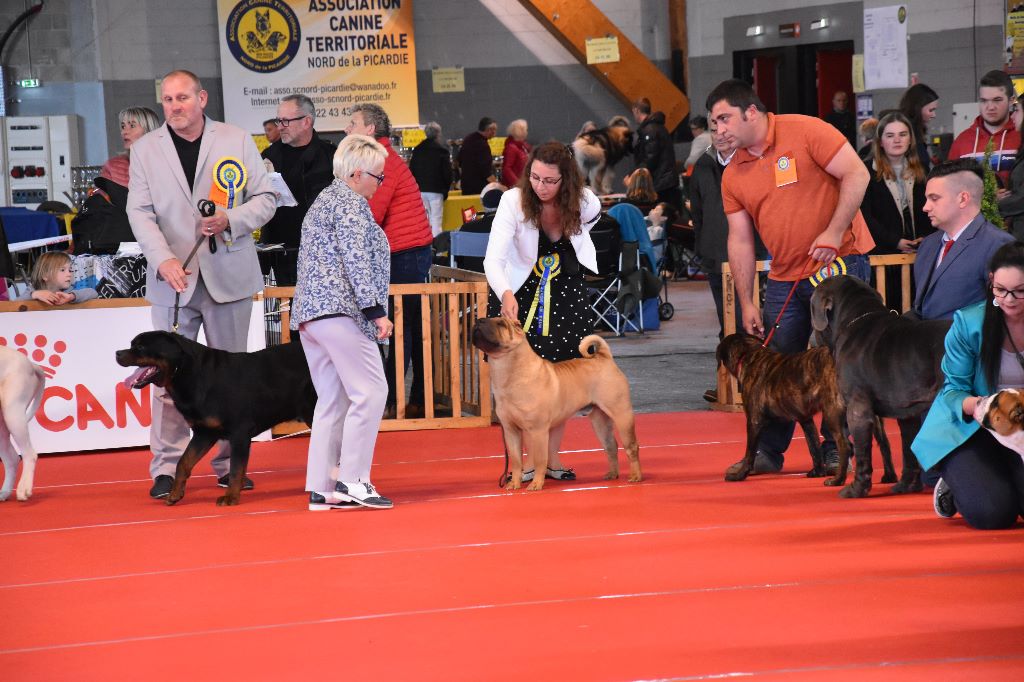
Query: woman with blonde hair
x=516, y=150
x=536, y=255
x=134, y=123
x=893, y=204
x=340, y=312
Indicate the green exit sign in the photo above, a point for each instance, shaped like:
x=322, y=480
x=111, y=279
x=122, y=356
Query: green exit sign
x=28, y=83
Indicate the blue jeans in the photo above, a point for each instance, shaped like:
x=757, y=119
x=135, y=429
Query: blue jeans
x=409, y=267
x=792, y=335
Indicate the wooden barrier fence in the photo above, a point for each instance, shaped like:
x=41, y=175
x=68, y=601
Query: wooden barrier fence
x=457, y=387
x=729, y=397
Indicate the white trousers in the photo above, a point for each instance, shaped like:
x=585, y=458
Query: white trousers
x=351, y=390
x=433, y=202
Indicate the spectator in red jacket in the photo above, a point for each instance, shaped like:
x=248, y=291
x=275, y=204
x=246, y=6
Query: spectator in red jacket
x=516, y=150
x=995, y=94
x=398, y=209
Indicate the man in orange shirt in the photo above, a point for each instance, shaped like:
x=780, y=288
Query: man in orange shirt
x=801, y=183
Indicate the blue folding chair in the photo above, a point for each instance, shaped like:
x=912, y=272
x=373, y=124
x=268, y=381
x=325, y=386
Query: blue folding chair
x=472, y=244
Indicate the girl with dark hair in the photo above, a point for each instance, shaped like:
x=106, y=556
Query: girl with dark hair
x=920, y=105
x=538, y=249
x=981, y=478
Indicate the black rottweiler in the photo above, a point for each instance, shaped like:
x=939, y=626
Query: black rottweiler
x=222, y=395
x=889, y=365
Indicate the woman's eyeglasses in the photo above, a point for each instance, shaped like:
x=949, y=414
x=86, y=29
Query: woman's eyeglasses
x=545, y=181
x=283, y=122
x=1000, y=292
x=378, y=178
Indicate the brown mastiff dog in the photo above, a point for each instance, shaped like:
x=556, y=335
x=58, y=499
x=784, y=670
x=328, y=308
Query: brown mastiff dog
x=793, y=386
x=532, y=396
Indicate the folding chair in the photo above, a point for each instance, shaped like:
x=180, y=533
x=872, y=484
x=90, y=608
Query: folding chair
x=603, y=288
x=473, y=244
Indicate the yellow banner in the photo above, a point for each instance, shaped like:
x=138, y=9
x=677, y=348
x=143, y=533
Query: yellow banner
x=412, y=137
x=336, y=52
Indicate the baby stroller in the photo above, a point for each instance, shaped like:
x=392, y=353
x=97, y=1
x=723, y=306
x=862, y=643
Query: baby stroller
x=664, y=265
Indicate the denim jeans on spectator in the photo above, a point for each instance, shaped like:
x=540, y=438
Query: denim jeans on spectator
x=792, y=335
x=409, y=267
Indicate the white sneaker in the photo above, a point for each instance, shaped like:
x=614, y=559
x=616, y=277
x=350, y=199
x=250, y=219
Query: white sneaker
x=361, y=493
x=325, y=501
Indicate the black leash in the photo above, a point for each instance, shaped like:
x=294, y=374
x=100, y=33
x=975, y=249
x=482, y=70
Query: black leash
x=206, y=209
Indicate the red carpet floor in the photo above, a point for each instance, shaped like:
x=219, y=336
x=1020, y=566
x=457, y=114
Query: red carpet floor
x=682, y=577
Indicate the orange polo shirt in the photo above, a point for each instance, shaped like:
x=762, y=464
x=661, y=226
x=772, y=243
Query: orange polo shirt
x=789, y=195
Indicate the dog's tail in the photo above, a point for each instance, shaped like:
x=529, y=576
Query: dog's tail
x=587, y=153
x=594, y=346
x=37, y=399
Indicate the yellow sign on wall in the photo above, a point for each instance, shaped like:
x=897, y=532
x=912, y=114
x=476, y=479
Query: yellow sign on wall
x=602, y=50
x=449, y=79
x=412, y=137
x=858, y=73
x=337, y=54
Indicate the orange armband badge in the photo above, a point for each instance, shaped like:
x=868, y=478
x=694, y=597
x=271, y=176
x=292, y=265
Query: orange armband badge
x=785, y=170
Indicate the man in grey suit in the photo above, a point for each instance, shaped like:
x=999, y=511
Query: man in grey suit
x=173, y=168
x=951, y=268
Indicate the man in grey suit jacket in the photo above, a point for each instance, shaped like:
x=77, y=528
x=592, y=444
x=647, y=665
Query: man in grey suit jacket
x=951, y=269
x=172, y=169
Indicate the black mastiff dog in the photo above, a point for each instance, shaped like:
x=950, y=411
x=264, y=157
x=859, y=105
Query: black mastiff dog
x=222, y=395
x=888, y=366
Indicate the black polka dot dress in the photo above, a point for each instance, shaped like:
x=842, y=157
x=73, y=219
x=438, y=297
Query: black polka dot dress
x=553, y=305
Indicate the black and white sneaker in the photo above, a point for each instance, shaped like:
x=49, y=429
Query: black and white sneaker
x=361, y=493
x=162, y=485
x=325, y=501
x=225, y=480
x=942, y=500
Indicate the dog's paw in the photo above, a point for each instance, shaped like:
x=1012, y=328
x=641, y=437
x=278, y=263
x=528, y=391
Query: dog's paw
x=888, y=478
x=4, y=494
x=635, y=478
x=24, y=495
x=853, y=491
x=611, y=475
x=227, y=501
x=817, y=473
x=904, y=487
x=737, y=472
x=536, y=484
x=835, y=481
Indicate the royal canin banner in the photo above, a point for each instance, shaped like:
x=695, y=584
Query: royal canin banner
x=85, y=404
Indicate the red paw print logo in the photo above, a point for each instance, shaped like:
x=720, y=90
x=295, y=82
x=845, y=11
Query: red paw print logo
x=37, y=351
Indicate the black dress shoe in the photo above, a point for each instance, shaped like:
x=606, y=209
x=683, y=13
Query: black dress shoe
x=247, y=483
x=161, y=486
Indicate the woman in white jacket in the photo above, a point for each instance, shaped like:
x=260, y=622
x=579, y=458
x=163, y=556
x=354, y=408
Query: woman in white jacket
x=536, y=255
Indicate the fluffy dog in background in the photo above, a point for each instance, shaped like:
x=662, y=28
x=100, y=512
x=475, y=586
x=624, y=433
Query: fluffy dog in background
x=21, y=390
x=599, y=150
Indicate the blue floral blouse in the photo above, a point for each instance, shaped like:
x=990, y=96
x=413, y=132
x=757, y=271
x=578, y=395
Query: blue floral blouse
x=344, y=260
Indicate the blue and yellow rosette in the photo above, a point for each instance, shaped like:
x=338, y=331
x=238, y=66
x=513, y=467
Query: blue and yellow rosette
x=547, y=268
x=229, y=178
x=836, y=267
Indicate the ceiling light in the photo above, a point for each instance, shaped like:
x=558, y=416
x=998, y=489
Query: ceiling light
x=819, y=24
x=755, y=30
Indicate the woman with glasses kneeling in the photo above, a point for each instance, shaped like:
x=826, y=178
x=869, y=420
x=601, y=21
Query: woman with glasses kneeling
x=981, y=478
x=340, y=310
x=539, y=245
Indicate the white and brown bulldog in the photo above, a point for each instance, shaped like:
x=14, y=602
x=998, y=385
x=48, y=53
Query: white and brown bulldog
x=533, y=396
x=21, y=390
x=1002, y=414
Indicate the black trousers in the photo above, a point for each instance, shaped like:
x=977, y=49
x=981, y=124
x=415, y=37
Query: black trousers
x=987, y=481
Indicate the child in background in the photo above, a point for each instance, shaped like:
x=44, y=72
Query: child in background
x=661, y=215
x=51, y=281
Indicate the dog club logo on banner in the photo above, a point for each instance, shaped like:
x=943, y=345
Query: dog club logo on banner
x=339, y=53
x=84, y=405
x=263, y=35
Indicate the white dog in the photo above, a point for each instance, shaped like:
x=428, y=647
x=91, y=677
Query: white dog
x=21, y=390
